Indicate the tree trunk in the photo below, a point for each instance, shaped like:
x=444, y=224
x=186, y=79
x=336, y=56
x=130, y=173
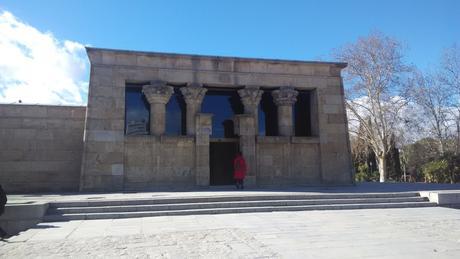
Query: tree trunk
x=457, y=149
x=382, y=163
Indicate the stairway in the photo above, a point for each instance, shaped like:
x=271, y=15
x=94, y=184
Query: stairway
x=131, y=208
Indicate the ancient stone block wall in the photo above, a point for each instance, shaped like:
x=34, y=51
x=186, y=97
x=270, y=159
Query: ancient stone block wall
x=40, y=147
x=288, y=161
x=111, y=161
x=152, y=162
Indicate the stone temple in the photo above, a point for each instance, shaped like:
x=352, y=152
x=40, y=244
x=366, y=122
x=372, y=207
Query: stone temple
x=172, y=120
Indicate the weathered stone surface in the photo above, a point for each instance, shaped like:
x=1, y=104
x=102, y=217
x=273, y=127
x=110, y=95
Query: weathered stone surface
x=332, y=109
x=250, y=97
x=336, y=119
x=41, y=147
x=203, y=131
x=315, y=234
x=149, y=161
x=284, y=99
x=193, y=96
x=157, y=94
x=244, y=127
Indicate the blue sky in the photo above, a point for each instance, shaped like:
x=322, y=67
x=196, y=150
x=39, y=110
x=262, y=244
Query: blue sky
x=302, y=30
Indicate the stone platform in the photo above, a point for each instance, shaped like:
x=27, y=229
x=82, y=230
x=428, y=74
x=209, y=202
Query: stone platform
x=216, y=191
x=217, y=200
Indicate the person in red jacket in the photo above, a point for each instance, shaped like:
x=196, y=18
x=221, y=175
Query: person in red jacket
x=239, y=170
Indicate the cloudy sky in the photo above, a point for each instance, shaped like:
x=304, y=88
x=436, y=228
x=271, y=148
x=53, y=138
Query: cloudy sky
x=36, y=67
x=43, y=60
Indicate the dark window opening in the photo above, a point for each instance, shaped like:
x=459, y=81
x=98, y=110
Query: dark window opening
x=137, y=111
x=268, y=115
x=175, y=115
x=223, y=104
x=302, y=114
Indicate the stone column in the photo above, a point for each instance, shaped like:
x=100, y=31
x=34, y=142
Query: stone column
x=284, y=99
x=157, y=94
x=250, y=97
x=193, y=96
x=244, y=127
x=203, y=130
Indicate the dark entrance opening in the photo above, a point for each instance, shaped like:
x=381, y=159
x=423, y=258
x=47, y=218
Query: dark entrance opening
x=221, y=155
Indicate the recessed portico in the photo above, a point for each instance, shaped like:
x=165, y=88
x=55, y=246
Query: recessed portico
x=277, y=113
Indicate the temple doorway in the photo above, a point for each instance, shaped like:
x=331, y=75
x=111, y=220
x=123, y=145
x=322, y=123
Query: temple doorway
x=223, y=104
x=221, y=155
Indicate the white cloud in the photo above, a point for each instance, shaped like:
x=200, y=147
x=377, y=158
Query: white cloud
x=35, y=67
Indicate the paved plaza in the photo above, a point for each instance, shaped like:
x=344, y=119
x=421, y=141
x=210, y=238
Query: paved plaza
x=390, y=233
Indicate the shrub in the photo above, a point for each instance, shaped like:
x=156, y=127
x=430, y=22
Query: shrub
x=363, y=174
x=436, y=171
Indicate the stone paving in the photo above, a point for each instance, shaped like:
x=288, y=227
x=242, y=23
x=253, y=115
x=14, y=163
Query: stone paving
x=390, y=233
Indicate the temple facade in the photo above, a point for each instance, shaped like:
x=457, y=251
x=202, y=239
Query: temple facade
x=159, y=120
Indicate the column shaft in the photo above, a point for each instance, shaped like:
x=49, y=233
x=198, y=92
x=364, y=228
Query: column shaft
x=157, y=119
x=284, y=99
x=285, y=125
x=157, y=94
x=191, y=117
x=244, y=127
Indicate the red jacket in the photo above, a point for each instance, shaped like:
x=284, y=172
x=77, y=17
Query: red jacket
x=239, y=168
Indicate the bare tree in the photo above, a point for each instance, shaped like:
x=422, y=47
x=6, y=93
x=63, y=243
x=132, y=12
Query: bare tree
x=433, y=99
x=374, y=96
x=450, y=76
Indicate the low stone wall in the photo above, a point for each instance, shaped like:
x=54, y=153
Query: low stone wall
x=444, y=197
x=20, y=217
x=152, y=162
x=288, y=161
x=41, y=147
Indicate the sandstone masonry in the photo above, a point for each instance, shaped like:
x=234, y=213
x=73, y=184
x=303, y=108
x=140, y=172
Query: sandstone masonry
x=57, y=148
x=41, y=147
x=113, y=160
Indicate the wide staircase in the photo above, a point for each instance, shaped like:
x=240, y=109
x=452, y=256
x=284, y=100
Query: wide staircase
x=241, y=203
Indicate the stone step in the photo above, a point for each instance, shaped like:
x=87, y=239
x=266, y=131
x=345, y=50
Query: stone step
x=114, y=215
x=156, y=200
x=226, y=204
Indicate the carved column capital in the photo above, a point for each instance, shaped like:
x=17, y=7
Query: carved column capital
x=193, y=93
x=250, y=97
x=157, y=92
x=286, y=96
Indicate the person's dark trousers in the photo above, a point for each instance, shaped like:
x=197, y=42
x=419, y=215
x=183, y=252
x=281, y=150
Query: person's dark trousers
x=3, y=234
x=3, y=200
x=239, y=184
